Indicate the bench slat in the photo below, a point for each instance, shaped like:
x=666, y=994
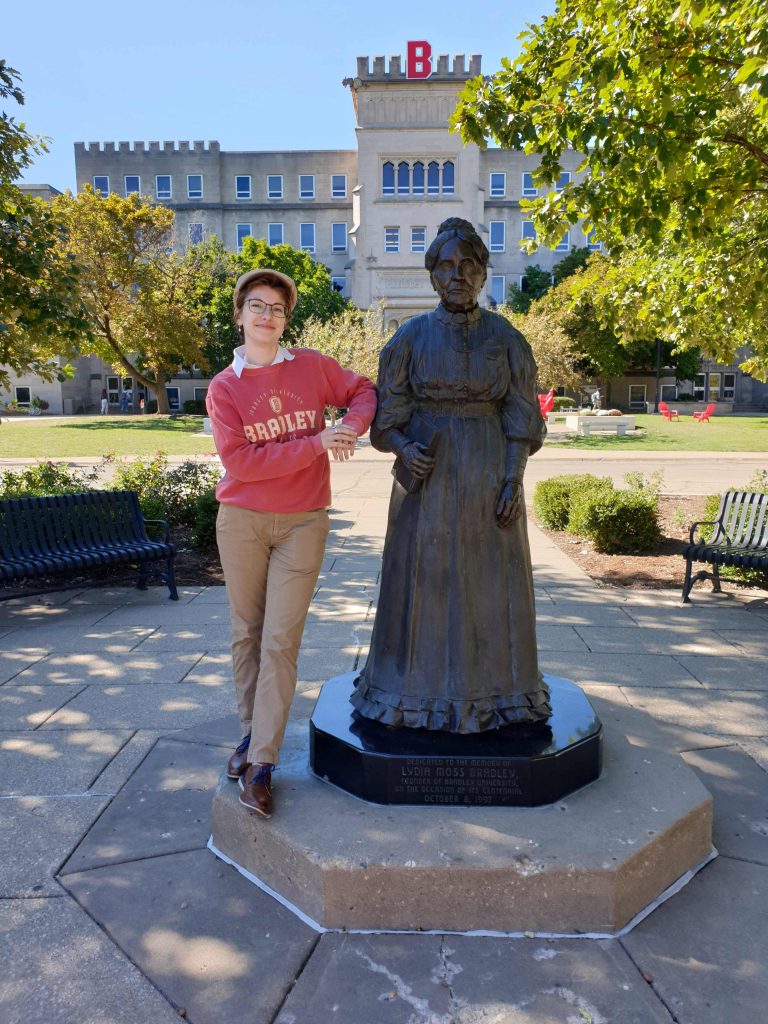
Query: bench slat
x=739, y=538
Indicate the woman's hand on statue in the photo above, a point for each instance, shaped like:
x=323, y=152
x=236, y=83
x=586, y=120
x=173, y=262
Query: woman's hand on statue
x=417, y=461
x=339, y=440
x=510, y=505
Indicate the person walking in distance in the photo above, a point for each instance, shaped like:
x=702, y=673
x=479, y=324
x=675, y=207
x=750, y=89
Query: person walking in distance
x=266, y=412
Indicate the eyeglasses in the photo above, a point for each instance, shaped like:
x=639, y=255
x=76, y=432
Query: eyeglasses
x=257, y=307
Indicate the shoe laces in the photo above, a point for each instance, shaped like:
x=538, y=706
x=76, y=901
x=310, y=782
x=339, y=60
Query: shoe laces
x=243, y=745
x=262, y=773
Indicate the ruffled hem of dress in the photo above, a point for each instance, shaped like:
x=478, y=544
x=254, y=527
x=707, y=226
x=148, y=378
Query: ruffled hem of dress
x=440, y=714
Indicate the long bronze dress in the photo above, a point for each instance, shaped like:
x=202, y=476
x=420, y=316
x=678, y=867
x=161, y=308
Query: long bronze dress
x=454, y=641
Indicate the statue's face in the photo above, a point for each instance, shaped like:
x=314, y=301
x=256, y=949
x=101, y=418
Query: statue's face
x=458, y=276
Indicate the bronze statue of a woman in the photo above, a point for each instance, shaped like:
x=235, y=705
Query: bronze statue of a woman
x=454, y=642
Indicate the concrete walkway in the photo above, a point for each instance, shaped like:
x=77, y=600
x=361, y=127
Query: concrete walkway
x=115, y=723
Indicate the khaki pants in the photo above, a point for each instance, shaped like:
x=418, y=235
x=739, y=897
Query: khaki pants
x=271, y=561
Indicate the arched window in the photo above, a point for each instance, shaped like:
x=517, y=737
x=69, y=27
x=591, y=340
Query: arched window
x=388, y=179
x=418, y=178
x=448, y=181
x=403, y=178
x=433, y=178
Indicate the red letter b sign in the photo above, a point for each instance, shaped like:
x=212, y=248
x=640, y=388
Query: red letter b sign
x=419, y=59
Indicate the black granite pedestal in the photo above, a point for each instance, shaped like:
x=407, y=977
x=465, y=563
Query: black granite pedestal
x=515, y=766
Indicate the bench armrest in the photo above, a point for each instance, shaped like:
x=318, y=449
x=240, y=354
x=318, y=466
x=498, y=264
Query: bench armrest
x=702, y=522
x=160, y=522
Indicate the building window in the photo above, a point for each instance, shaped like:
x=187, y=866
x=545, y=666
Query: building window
x=132, y=184
x=388, y=179
x=448, y=178
x=391, y=239
x=498, y=183
x=173, y=399
x=274, y=186
x=637, y=396
x=418, y=239
x=200, y=394
x=498, y=288
x=243, y=186
x=529, y=189
x=101, y=183
x=195, y=233
x=563, y=180
x=307, y=237
x=243, y=231
x=699, y=386
x=418, y=178
x=113, y=390
x=338, y=186
x=713, y=387
x=23, y=395
x=433, y=178
x=338, y=237
x=163, y=186
x=729, y=386
x=306, y=186
x=497, y=234
x=592, y=243
x=403, y=178
x=668, y=392
x=194, y=186
x=564, y=245
x=339, y=284
x=528, y=230
x=275, y=234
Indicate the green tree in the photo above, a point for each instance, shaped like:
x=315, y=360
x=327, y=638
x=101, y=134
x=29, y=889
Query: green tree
x=536, y=281
x=557, y=362
x=668, y=102
x=135, y=291
x=353, y=337
x=40, y=314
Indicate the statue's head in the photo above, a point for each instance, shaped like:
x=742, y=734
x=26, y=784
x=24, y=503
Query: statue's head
x=457, y=262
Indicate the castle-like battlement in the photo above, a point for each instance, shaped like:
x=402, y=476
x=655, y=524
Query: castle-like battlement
x=442, y=68
x=146, y=147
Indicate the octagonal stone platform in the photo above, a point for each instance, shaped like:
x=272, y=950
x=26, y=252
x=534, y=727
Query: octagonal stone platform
x=589, y=863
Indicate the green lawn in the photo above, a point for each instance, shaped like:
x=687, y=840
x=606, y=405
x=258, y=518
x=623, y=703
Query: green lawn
x=85, y=436
x=654, y=433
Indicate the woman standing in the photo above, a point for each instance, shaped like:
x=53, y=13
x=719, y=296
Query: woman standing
x=266, y=411
x=454, y=641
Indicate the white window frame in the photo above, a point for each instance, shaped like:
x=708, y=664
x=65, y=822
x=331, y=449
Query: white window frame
x=563, y=181
x=98, y=188
x=113, y=390
x=335, y=247
x=239, y=192
x=530, y=234
x=447, y=190
x=338, y=279
x=498, y=245
x=700, y=386
x=273, y=193
x=164, y=193
x=389, y=190
x=22, y=403
x=174, y=404
x=495, y=278
x=275, y=224
x=306, y=193
x=419, y=245
x=239, y=239
x=729, y=390
x=306, y=247
x=195, y=224
x=564, y=245
x=136, y=191
x=495, y=190
x=638, y=403
x=714, y=383
x=528, y=191
x=392, y=239
x=338, y=192
x=200, y=397
x=592, y=244
x=668, y=392
x=193, y=193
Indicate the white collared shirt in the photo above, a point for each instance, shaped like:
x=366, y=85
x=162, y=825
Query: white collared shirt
x=240, y=363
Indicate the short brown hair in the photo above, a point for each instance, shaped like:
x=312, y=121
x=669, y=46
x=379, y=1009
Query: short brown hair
x=272, y=279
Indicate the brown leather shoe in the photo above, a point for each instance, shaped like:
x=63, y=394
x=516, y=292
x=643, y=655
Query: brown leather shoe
x=237, y=764
x=256, y=786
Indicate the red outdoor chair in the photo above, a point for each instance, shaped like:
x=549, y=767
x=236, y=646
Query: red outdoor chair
x=667, y=413
x=547, y=403
x=703, y=417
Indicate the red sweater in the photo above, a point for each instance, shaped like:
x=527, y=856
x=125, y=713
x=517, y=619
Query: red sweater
x=266, y=425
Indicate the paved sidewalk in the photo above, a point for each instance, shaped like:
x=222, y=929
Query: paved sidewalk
x=115, y=723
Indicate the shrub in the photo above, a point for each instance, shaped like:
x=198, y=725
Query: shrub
x=685, y=396
x=194, y=407
x=552, y=498
x=204, y=528
x=562, y=403
x=167, y=493
x=47, y=478
x=617, y=522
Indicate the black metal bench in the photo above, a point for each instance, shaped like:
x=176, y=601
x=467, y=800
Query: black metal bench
x=68, y=533
x=740, y=538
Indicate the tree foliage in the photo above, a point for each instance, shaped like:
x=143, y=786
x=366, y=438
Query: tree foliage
x=135, y=290
x=536, y=282
x=40, y=316
x=556, y=359
x=353, y=337
x=668, y=100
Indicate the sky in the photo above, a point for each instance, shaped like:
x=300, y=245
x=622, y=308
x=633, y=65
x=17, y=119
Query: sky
x=264, y=75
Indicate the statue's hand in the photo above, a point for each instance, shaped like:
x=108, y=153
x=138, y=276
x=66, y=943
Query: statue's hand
x=417, y=461
x=510, y=505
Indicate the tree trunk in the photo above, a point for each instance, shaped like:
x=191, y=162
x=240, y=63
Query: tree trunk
x=158, y=387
